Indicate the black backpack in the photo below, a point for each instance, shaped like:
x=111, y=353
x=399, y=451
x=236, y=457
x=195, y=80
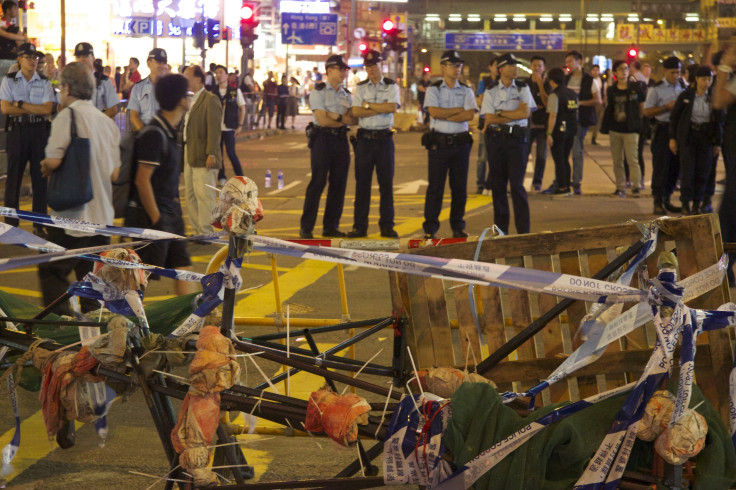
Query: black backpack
x=121, y=188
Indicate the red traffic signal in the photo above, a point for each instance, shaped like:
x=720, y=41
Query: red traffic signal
x=362, y=47
x=633, y=53
x=426, y=69
x=248, y=14
x=388, y=26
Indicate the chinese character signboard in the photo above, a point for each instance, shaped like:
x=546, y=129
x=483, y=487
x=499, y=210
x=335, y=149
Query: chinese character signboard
x=135, y=17
x=309, y=29
x=503, y=42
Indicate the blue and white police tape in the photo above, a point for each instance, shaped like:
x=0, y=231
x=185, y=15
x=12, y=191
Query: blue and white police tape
x=478, y=466
x=85, y=226
x=558, y=284
x=10, y=235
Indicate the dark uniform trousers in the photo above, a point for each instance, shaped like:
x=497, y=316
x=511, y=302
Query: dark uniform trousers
x=560, y=150
x=665, y=164
x=441, y=162
x=696, y=165
x=26, y=143
x=53, y=275
x=508, y=168
x=370, y=154
x=330, y=159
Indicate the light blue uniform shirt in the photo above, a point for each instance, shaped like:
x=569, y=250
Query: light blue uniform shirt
x=104, y=95
x=444, y=97
x=37, y=90
x=502, y=98
x=366, y=91
x=330, y=100
x=143, y=99
x=701, y=109
x=661, y=95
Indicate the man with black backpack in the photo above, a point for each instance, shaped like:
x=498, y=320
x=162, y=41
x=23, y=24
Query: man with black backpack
x=154, y=197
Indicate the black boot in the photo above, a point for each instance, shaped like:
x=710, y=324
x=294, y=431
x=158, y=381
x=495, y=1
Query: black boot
x=707, y=206
x=686, y=208
x=658, y=208
x=669, y=207
x=696, y=208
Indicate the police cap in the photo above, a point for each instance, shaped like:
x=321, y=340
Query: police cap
x=26, y=48
x=506, y=59
x=83, y=49
x=372, y=57
x=158, y=54
x=336, y=60
x=671, y=63
x=451, y=56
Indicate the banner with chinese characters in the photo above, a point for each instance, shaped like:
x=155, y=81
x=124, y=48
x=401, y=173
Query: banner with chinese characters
x=648, y=33
x=173, y=17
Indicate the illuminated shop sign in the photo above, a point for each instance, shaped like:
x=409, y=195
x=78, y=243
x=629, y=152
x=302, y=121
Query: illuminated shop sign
x=173, y=17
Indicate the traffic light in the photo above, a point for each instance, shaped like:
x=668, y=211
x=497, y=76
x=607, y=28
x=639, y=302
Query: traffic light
x=198, y=35
x=426, y=69
x=362, y=47
x=213, y=32
x=248, y=22
x=392, y=36
x=632, y=54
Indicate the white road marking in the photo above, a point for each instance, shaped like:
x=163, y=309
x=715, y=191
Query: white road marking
x=410, y=187
x=288, y=186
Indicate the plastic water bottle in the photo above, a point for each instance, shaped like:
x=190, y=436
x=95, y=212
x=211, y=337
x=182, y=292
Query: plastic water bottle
x=268, y=179
x=281, y=180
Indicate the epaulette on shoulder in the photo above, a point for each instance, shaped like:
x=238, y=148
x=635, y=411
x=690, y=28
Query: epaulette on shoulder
x=522, y=83
x=659, y=83
x=346, y=90
x=389, y=81
x=319, y=85
x=437, y=83
x=140, y=81
x=463, y=84
x=11, y=74
x=364, y=81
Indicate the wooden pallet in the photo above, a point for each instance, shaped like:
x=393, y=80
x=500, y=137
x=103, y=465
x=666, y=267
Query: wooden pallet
x=434, y=307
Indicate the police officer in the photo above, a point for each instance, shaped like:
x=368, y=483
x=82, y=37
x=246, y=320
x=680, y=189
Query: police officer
x=375, y=101
x=27, y=99
x=451, y=104
x=142, y=103
x=665, y=164
x=330, y=157
x=507, y=107
x=104, y=97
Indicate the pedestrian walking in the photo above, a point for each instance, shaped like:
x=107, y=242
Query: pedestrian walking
x=202, y=152
x=665, y=164
x=451, y=105
x=233, y=115
x=27, y=99
x=292, y=103
x=562, y=121
x=77, y=89
x=507, y=108
x=154, y=201
x=375, y=100
x=622, y=122
x=696, y=133
x=330, y=154
x=283, y=95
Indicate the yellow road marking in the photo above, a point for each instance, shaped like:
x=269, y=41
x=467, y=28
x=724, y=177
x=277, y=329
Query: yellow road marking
x=18, y=271
x=22, y=292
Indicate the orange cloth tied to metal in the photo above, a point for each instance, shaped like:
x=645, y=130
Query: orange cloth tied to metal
x=336, y=415
x=212, y=370
x=64, y=393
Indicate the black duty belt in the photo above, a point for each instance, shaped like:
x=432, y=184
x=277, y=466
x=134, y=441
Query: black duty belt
x=27, y=120
x=340, y=132
x=506, y=130
x=699, y=126
x=451, y=140
x=375, y=134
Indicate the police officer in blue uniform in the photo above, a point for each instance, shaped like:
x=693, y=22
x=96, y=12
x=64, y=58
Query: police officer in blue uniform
x=451, y=104
x=142, y=103
x=331, y=105
x=104, y=97
x=507, y=107
x=665, y=164
x=27, y=99
x=375, y=100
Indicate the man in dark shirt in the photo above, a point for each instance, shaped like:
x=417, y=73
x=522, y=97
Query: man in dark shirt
x=540, y=88
x=421, y=92
x=155, y=198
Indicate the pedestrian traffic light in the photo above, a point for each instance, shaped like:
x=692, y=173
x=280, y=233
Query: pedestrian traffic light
x=362, y=47
x=392, y=36
x=213, y=32
x=632, y=54
x=248, y=22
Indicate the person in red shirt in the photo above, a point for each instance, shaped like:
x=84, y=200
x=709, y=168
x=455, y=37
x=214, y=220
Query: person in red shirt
x=131, y=76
